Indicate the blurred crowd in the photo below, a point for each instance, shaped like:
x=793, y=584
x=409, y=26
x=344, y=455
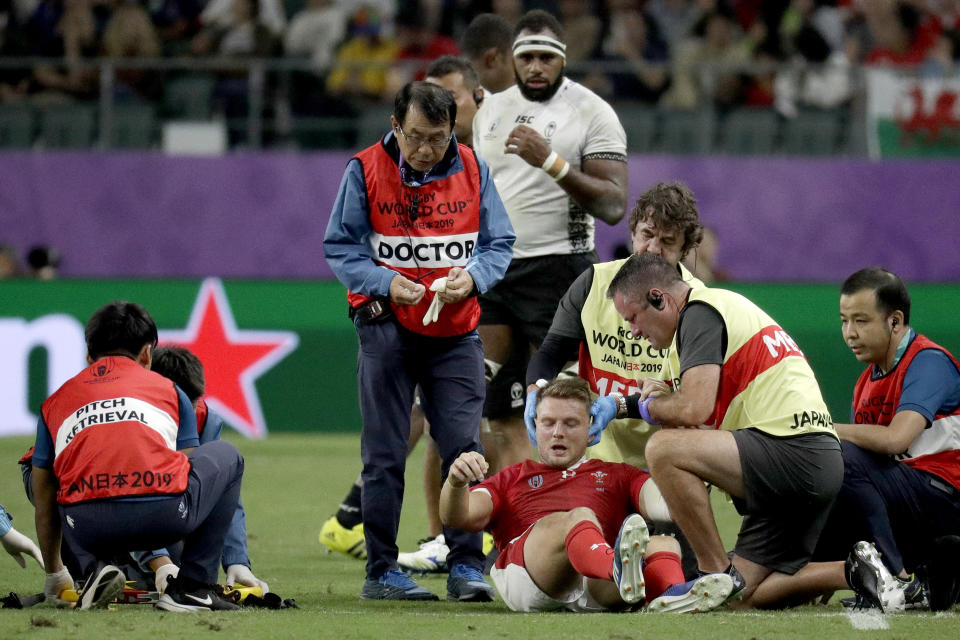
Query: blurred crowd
x=42, y=263
x=361, y=51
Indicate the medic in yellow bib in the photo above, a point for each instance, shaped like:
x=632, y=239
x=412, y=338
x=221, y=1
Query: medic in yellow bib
x=587, y=327
x=773, y=447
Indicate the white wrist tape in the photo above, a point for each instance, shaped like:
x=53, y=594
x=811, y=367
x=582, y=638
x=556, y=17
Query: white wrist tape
x=563, y=172
x=548, y=163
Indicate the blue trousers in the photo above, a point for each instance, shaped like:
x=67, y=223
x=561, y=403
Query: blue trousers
x=390, y=364
x=902, y=510
x=200, y=516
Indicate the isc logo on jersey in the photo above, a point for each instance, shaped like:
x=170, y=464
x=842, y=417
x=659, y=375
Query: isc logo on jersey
x=433, y=252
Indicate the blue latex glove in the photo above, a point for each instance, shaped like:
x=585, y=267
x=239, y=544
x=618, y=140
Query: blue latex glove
x=529, y=413
x=603, y=410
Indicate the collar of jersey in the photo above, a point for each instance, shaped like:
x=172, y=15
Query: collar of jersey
x=449, y=164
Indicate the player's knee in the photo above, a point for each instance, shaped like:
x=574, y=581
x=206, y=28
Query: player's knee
x=661, y=449
x=654, y=503
x=581, y=514
x=667, y=544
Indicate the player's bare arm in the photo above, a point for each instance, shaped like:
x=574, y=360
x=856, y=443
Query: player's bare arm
x=47, y=518
x=905, y=427
x=600, y=187
x=692, y=404
x=459, y=507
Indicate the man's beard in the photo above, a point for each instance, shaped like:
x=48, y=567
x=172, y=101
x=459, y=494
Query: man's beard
x=539, y=95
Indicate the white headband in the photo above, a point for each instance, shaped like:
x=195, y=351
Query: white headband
x=539, y=42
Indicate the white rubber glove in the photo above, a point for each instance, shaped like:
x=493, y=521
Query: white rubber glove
x=15, y=543
x=55, y=584
x=433, y=312
x=241, y=574
x=162, y=574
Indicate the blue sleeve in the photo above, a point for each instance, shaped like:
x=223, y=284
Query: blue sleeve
x=345, y=240
x=495, y=239
x=214, y=427
x=235, y=544
x=5, y=524
x=43, y=447
x=187, y=434
x=931, y=385
x=142, y=558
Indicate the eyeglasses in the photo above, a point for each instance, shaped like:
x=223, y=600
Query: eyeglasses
x=435, y=142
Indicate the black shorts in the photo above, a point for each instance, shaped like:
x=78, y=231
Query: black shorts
x=528, y=296
x=507, y=391
x=790, y=485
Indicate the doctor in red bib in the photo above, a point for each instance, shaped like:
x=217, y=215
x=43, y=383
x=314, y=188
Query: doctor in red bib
x=416, y=233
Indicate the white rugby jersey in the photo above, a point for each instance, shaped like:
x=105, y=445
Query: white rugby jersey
x=577, y=123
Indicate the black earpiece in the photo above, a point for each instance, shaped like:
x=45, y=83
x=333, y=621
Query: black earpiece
x=478, y=96
x=655, y=300
x=894, y=323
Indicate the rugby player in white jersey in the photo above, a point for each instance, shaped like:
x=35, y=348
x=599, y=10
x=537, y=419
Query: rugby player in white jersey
x=557, y=153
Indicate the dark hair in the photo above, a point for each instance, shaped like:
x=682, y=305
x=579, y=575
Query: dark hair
x=538, y=21
x=640, y=273
x=485, y=31
x=433, y=101
x=811, y=44
x=670, y=205
x=42, y=256
x=119, y=328
x=567, y=388
x=892, y=294
x=445, y=65
x=183, y=367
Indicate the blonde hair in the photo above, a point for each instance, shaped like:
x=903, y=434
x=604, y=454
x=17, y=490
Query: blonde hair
x=567, y=388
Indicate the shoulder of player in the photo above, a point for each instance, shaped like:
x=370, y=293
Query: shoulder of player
x=497, y=100
x=581, y=97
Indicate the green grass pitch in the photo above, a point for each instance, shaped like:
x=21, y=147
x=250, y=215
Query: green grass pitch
x=294, y=482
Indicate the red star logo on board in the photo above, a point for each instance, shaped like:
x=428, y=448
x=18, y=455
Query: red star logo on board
x=232, y=358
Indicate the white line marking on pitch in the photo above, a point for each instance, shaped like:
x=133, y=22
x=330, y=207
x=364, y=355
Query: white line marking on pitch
x=870, y=620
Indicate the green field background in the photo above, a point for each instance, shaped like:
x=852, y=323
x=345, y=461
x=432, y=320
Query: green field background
x=314, y=388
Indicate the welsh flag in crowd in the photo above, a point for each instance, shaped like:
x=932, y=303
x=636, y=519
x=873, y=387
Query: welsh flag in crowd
x=912, y=116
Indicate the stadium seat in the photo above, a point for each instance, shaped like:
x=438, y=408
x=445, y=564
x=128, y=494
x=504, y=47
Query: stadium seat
x=687, y=131
x=69, y=126
x=749, y=131
x=374, y=122
x=853, y=133
x=640, y=123
x=189, y=97
x=813, y=132
x=16, y=126
x=323, y=133
x=133, y=126
x=293, y=7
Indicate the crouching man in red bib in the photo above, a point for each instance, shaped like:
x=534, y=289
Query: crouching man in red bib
x=117, y=467
x=569, y=530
